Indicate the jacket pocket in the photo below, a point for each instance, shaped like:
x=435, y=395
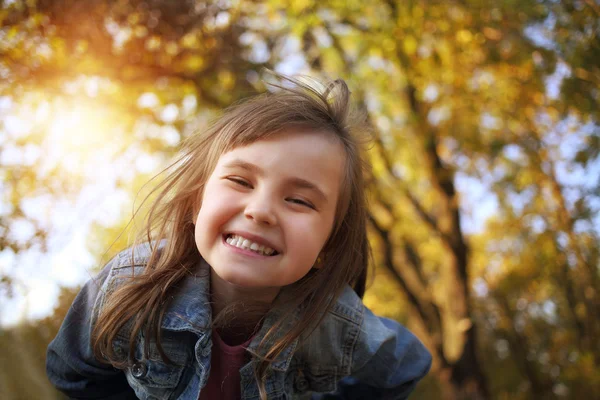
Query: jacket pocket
x=150, y=377
x=153, y=379
x=315, y=381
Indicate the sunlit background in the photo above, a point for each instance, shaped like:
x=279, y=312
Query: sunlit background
x=485, y=159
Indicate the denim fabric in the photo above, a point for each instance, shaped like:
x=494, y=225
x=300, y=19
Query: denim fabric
x=352, y=354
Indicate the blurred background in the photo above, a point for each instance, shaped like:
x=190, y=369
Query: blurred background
x=485, y=197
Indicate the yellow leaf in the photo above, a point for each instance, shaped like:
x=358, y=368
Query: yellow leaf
x=409, y=43
x=226, y=79
x=194, y=62
x=299, y=6
x=189, y=41
x=388, y=45
x=464, y=36
x=492, y=34
x=140, y=31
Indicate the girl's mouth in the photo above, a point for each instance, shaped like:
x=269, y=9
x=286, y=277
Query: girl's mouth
x=247, y=244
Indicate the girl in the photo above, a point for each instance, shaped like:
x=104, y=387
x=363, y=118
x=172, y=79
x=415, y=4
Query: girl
x=250, y=279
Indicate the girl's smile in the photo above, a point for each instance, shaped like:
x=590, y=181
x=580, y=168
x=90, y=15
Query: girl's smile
x=250, y=244
x=268, y=209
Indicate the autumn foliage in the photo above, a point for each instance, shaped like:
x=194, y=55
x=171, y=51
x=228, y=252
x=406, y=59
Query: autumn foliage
x=484, y=192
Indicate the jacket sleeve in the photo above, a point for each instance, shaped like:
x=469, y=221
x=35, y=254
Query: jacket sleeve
x=388, y=362
x=70, y=363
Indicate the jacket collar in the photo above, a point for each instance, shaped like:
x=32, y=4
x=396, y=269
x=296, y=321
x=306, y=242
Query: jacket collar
x=189, y=310
x=283, y=360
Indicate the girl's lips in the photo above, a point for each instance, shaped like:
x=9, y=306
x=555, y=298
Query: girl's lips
x=254, y=238
x=246, y=252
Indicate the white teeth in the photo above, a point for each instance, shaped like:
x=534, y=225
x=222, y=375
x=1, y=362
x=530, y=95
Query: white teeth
x=243, y=243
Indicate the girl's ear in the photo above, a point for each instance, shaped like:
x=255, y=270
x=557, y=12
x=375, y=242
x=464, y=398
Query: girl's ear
x=320, y=261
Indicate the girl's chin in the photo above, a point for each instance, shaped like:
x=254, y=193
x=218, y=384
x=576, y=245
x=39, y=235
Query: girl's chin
x=240, y=282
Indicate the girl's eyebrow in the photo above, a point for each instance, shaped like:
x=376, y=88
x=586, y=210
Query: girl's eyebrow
x=304, y=184
x=237, y=163
x=294, y=181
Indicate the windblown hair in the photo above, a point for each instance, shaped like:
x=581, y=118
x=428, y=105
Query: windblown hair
x=292, y=104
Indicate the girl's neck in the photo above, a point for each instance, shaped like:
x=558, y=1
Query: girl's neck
x=237, y=311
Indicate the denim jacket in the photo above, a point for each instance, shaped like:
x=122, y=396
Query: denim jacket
x=352, y=354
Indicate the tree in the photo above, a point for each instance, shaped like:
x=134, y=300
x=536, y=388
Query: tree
x=462, y=97
x=468, y=88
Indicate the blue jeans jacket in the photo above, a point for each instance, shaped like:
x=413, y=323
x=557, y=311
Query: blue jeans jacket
x=352, y=354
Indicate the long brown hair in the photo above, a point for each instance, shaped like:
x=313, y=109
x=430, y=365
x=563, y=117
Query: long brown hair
x=293, y=103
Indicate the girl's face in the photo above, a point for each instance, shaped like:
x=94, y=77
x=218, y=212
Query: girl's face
x=268, y=208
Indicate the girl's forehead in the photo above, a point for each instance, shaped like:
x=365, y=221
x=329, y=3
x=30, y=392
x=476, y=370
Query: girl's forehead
x=290, y=138
x=313, y=157
x=290, y=146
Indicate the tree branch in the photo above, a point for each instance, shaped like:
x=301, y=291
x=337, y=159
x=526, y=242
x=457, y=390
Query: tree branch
x=432, y=323
x=540, y=387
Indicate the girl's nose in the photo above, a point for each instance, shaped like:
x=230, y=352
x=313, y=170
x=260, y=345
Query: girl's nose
x=261, y=211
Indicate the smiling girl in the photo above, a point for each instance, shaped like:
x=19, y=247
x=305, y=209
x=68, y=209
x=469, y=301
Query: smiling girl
x=249, y=279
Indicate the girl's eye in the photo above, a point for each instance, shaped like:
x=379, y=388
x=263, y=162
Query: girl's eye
x=240, y=181
x=302, y=203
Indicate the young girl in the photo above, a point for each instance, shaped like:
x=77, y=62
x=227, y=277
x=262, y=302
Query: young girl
x=249, y=281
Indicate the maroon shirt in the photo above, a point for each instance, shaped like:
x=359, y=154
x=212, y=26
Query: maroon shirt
x=225, y=363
